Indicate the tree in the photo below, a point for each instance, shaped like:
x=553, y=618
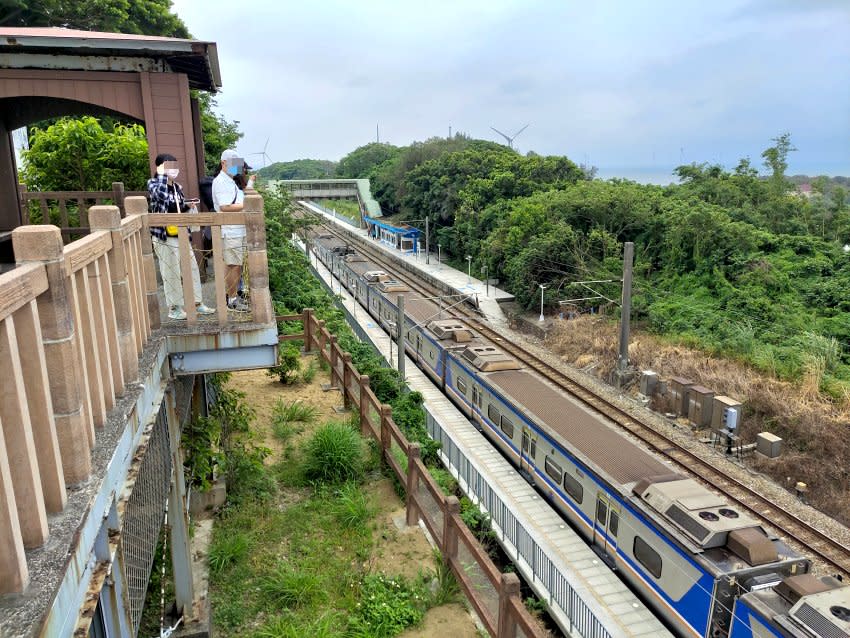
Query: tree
x=149, y=17
x=360, y=162
x=77, y=154
x=776, y=160
x=218, y=133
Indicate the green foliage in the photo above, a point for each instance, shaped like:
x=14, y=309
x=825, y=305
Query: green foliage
x=152, y=17
x=362, y=161
x=387, y=606
x=288, y=364
x=334, y=454
x=309, y=373
x=291, y=586
x=79, y=155
x=448, y=589
x=219, y=133
x=227, y=550
x=289, y=418
x=298, y=169
x=202, y=452
x=326, y=624
x=352, y=506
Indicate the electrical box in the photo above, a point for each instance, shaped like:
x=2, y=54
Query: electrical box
x=700, y=406
x=648, y=382
x=679, y=390
x=726, y=414
x=768, y=444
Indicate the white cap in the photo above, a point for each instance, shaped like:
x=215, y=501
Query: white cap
x=229, y=154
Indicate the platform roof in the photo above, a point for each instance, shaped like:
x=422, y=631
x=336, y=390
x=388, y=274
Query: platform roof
x=72, y=49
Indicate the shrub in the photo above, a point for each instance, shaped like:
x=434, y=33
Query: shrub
x=387, y=606
x=288, y=365
x=334, y=454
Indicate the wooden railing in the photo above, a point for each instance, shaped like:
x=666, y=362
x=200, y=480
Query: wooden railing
x=494, y=595
x=74, y=321
x=61, y=207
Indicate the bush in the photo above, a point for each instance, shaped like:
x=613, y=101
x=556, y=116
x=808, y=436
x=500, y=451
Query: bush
x=387, y=607
x=334, y=455
x=288, y=366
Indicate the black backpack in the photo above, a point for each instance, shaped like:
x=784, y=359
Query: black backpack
x=205, y=187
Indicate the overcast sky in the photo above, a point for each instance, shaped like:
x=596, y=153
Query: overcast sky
x=631, y=86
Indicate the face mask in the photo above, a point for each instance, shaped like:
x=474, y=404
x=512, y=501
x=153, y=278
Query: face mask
x=232, y=170
x=160, y=170
x=173, y=172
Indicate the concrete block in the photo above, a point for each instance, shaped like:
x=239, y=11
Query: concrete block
x=214, y=497
x=768, y=444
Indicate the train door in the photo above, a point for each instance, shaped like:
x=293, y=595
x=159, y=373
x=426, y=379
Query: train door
x=528, y=452
x=606, y=526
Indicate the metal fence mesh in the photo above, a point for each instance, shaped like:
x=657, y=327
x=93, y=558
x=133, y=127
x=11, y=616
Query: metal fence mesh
x=144, y=515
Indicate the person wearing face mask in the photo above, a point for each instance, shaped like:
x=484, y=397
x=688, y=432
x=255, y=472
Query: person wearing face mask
x=166, y=196
x=229, y=198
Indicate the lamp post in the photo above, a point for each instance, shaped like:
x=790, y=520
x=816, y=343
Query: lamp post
x=542, y=288
x=439, y=255
x=469, y=269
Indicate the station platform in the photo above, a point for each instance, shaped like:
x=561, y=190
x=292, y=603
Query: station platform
x=489, y=296
x=584, y=596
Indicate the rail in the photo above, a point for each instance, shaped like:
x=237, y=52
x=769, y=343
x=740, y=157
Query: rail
x=75, y=320
x=493, y=595
x=62, y=208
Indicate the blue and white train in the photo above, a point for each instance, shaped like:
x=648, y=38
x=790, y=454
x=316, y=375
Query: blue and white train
x=690, y=554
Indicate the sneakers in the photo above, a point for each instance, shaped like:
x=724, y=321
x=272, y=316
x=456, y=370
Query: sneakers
x=177, y=313
x=203, y=309
x=237, y=303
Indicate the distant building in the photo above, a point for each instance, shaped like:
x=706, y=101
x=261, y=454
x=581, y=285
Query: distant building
x=805, y=190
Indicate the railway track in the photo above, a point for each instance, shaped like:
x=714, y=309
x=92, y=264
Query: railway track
x=817, y=544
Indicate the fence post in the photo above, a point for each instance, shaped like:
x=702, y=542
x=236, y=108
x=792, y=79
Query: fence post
x=258, y=268
x=346, y=380
x=321, y=339
x=449, y=548
x=117, y=198
x=109, y=218
x=65, y=370
x=139, y=206
x=334, y=374
x=386, y=438
x=508, y=589
x=414, y=453
x=308, y=332
x=364, y=404
x=23, y=207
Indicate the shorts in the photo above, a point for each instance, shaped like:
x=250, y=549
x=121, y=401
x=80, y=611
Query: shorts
x=233, y=251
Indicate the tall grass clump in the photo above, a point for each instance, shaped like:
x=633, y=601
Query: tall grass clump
x=287, y=416
x=335, y=454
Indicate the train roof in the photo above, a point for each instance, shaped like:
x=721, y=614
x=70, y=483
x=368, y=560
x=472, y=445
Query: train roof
x=622, y=460
x=804, y=606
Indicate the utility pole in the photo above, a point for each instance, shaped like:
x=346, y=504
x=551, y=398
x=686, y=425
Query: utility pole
x=626, y=307
x=427, y=240
x=400, y=336
x=542, y=288
x=486, y=280
x=468, y=269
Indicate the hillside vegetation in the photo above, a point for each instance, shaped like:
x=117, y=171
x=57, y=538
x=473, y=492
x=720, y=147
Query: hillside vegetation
x=735, y=263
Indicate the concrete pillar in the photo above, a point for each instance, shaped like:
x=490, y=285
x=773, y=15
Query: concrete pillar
x=508, y=589
x=20, y=446
x=108, y=218
x=258, y=269
x=43, y=244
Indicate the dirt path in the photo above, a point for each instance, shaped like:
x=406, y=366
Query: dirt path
x=401, y=550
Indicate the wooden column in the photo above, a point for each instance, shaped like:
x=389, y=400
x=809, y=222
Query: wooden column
x=43, y=244
x=308, y=329
x=139, y=206
x=258, y=268
x=414, y=453
x=14, y=575
x=386, y=437
x=449, y=534
x=508, y=588
x=109, y=218
x=332, y=354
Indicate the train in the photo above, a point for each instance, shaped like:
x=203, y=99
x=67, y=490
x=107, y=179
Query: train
x=702, y=565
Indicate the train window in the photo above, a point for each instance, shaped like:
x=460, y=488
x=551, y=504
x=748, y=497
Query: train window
x=507, y=427
x=647, y=556
x=553, y=469
x=601, y=511
x=574, y=488
x=525, y=441
x=475, y=394
x=533, y=452
x=613, y=523
x=493, y=413
x=461, y=385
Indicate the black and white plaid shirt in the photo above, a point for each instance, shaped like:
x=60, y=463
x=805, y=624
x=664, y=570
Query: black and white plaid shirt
x=162, y=200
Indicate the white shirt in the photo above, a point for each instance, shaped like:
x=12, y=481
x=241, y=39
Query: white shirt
x=224, y=193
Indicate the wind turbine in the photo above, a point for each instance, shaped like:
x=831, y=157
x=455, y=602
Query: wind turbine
x=508, y=138
x=266, y=158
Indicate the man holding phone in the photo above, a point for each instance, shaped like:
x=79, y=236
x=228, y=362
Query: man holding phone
x=229, y=198
x=166, y=196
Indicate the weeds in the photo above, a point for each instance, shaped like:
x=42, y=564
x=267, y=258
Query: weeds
x=287, y=416
x=309, y=373
x=447, y=590
x=227, y=550
x=352, y=507
x=291, y=587
x=335, y=454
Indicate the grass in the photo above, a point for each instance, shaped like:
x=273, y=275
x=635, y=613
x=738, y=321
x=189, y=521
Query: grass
x=335, y=454
x=289, y=418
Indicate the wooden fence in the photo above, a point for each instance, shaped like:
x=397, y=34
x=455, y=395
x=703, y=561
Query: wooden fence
x=493, y=595
x=63, y=207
